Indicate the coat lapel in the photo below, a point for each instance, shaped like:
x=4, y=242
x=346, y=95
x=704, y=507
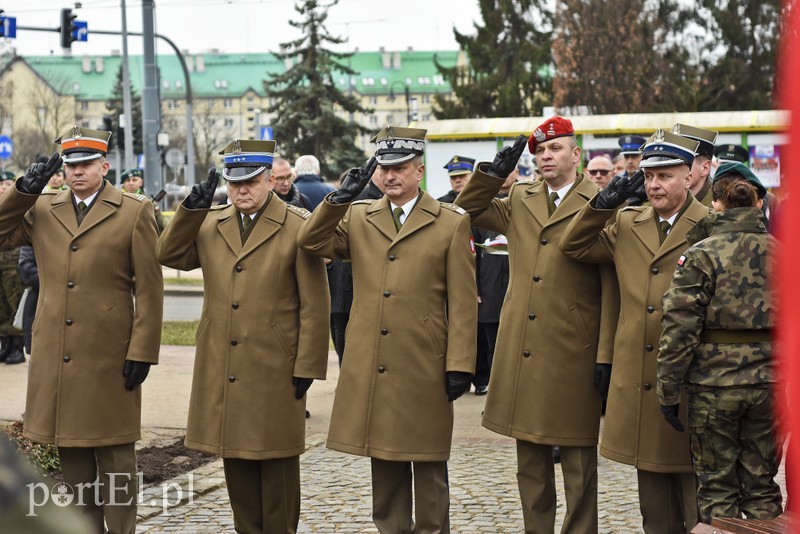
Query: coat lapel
x=535, y=199
x=379, y=214
x=583, y=191
x=228, y=227
x=677, y=236
x=270, y=222
x=646, y=230
x=106, y=203
x=64, y=212
x=423, y=214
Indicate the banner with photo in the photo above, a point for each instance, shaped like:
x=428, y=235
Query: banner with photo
x=766, y=163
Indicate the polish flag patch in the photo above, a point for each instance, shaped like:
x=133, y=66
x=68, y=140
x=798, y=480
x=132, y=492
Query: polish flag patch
x=681, y=260
x=472, y=244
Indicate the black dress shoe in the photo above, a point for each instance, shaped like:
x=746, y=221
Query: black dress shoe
x=481, y=390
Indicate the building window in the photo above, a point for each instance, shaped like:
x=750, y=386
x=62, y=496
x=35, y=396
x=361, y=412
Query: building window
x=384, y=82
x=228, y=123
x=227, y=103
x=373, y=120
x=426, y=99
x=178, y=84
x=165, y=84
x=84, y=106
x=172, y=104
x=373, y=100
x=438, y=80
x=389, y=118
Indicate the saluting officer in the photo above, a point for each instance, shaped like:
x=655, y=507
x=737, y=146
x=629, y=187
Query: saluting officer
x=701, y=165
x=262, y=339
x=541, y=390
x=411, y=337
x=99, y=333
x=644, y=242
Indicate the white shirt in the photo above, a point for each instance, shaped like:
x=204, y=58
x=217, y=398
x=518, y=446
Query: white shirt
x=561, y=193
x=88, y=200
x=671, y=221
x=407, y=207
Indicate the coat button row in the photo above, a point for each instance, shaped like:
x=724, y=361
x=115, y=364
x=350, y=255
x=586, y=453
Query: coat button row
x=68, y=322
x=235, y=305
x=647, y=387
x=526, y=354
x=650, y=309
x=654, y=270
x=392, y=257
x=536, y=278
x=234, y=342
x=648, y=347
x=381, y=369
x=238, y=268
x=384, y=331
x=73, y=248
x=70, y=284
x=66, y=359
x=387, y=294
x=231, y=378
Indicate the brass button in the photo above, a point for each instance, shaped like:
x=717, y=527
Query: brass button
x=654, y=270
x=234, y=342
x=647, y=387
x=526, y=354
x=235, y=305
x=73, y=248
x=387, y=294
x=68, y=322
x=381, y=369
x=238, y=268
x=70, y=284
x=536, y=278
x=231, y=378
x=392, y=257
x=384, y=331
x=544, y=241
x=650, y=309
x=66, y=359
x=648, y=348
x=531, y=317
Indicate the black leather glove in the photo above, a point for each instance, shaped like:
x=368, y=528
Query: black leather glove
x=38, y=174
x=602, y=378
x=301, y=385
x=638, y=193
x=671, y=415
x=506, y=159
x=356, y=180
x=202, y=194
x=614, y=194
x=456, y=384
x=135, y=372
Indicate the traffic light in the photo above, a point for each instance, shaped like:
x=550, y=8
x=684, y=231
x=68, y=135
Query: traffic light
x=67, y=28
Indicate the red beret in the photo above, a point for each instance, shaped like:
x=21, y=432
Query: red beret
x=550, y=129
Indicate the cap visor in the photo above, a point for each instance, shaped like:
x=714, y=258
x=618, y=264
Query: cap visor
x=394, y=159
x=77, y=157
x=241, y=174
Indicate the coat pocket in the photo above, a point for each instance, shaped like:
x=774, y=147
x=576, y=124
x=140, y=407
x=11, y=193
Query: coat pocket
x=437, y=348
x=580, y=326
x=204, y=320
x=111, y=310
x=283, y=341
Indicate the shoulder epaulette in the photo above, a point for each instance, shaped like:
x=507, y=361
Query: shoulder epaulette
x=454, y=207
x=302, y=212
x=51, y=191
x=137, y=196
x=638, y=209
x=525, y=182
x=219, y=207
x=363, y=201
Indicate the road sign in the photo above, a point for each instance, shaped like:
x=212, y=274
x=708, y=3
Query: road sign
x=6, y=147
x=81, y=30
x=174, y=158
x=265, y=134
x=9, y=28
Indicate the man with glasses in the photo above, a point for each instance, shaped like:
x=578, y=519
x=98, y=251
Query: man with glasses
x=631, y=151
x=600, y=170
x=284, y=185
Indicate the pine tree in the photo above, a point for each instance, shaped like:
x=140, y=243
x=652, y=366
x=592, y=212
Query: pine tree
x=115, y=109
x=307, y=101
x=508, y=72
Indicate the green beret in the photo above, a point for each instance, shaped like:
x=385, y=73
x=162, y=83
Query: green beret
x=7, y=175
x=130, y=173
x=733, y=169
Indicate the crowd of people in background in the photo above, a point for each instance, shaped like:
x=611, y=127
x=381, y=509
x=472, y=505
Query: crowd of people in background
x=634, y=286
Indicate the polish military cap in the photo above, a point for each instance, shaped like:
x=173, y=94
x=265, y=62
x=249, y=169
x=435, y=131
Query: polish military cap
x=131, y=173
x=246, y=158
x=460, y=165
x=665, y=149
x=738, y=169
x=7, y=175
x=82, y=144
x=631, y=144
x=550, y=129
x=394, y=145
x=706, y=138
x=732, y=153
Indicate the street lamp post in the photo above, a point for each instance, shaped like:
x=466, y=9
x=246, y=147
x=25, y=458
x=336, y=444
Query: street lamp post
x=407, y=92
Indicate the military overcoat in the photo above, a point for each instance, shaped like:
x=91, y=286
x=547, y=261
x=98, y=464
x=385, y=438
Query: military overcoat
x=91, y=316
x=414, y=317
x=265, y=320
x=541, y=388
x=634, y=431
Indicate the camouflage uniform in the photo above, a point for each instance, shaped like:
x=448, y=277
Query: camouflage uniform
x=11, y=289
x=716, y=343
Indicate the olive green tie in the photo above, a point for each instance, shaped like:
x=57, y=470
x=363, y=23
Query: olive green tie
x=396, y=213
x=663, y=229
x=246, y=221
x=551, y=203
x=82, y=209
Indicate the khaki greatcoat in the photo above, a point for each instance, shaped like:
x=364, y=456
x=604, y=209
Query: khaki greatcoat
x=541, y=388
x=86, y=323
x=265, y=318
x=414, y=317
x=634, y=431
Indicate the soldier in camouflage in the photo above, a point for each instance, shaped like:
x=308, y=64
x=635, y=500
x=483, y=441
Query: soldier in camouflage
x=11, y=289
x=716, y=343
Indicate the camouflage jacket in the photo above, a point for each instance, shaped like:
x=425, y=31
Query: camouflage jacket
x=718, y=311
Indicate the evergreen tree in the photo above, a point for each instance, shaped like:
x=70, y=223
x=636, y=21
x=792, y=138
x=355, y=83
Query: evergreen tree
x=115, y=109
x=508, y=70
x=307, y=99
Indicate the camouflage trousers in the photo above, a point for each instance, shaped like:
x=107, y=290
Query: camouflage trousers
x=735, y=453
x=11, y=289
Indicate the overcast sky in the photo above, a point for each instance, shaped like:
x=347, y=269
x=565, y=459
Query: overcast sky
x=247, y=25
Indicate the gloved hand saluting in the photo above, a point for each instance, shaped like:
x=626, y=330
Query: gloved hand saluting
x=456, y=384
x=38, y=174
x=301, y=385
x=355, y=182
x=614, y=194
x=202, y=194
x=135, y=372
x=671, y=415
x=638, y=193
x=506, y=159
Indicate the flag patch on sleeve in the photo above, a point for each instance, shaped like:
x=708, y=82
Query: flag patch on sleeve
x=681, y=260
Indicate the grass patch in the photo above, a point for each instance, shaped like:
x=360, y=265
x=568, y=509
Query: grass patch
x=183, y=281
x=179, y=332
